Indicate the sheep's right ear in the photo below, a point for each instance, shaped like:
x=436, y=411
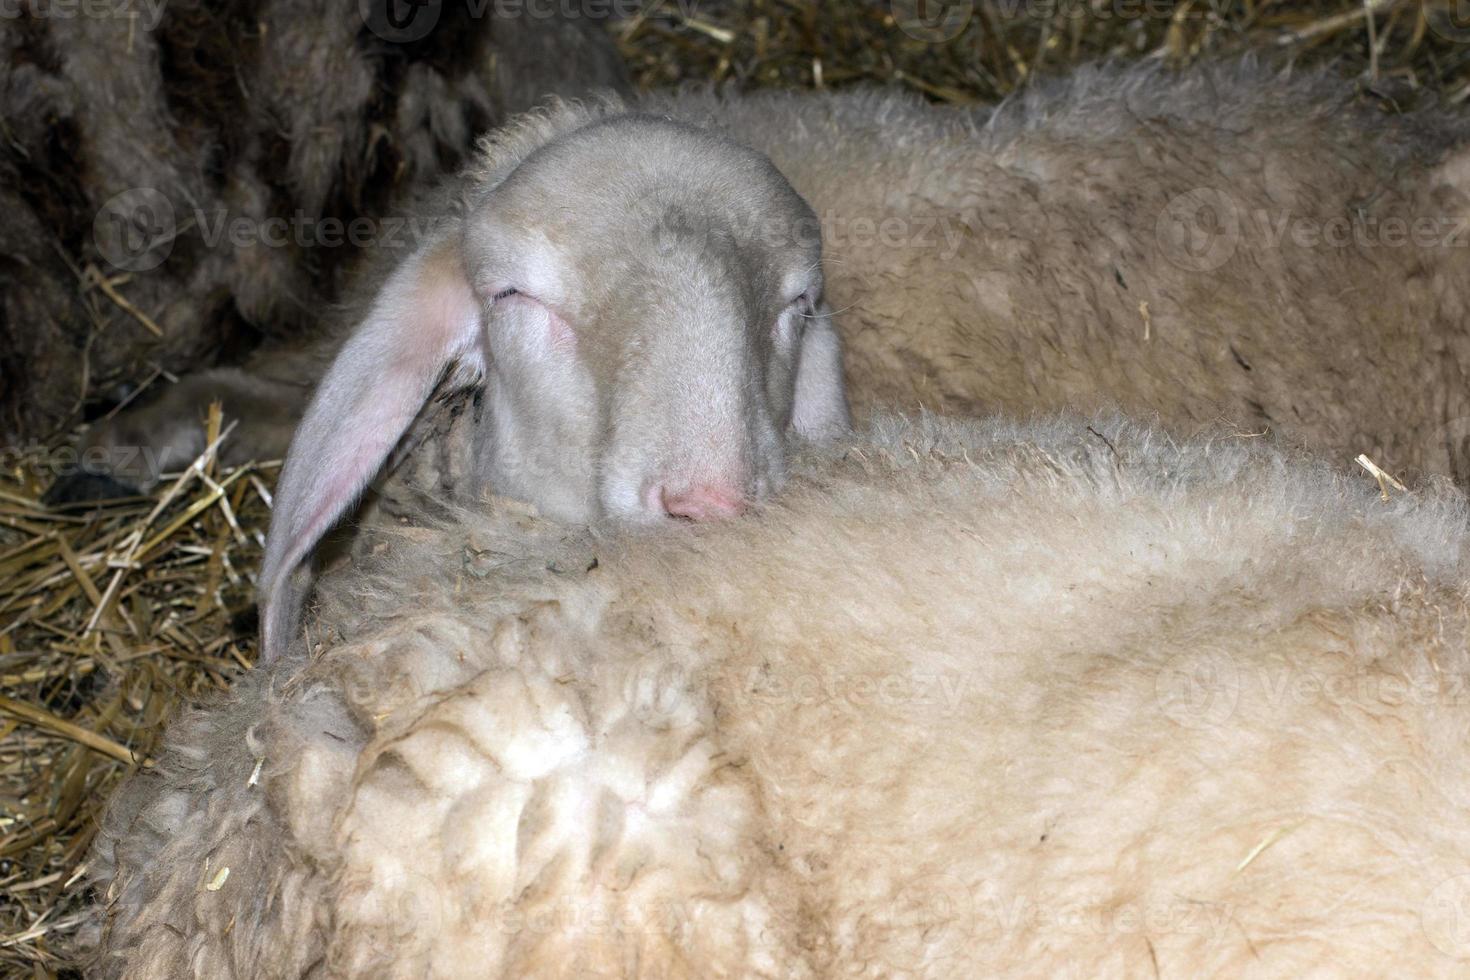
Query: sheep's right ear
x=820, y=408
x=425, y=318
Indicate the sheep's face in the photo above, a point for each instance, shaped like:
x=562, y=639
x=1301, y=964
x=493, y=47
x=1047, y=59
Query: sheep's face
x=653, y=324
x=642, y=300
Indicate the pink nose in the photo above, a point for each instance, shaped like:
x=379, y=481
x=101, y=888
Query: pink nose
x=704, y=503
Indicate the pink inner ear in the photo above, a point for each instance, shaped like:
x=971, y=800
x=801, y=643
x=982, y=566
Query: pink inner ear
x=425, y=318
x=367, y=441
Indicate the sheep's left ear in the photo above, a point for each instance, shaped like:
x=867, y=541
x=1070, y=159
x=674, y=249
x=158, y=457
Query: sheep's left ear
x=820, y=409
x=425, y=318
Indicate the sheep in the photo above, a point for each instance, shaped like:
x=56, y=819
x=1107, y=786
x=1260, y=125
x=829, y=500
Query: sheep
x=646, y=342
x=1235, y=241
x=1057, y=251
x=682, y=183
x=140, y=133
x=1061, y=697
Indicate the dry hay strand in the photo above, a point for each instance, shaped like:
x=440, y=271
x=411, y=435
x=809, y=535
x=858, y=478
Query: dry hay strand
x=113, y=616
x=1397, y=48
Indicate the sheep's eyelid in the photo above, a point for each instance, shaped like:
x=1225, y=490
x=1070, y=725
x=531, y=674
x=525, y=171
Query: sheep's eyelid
x=511, y=292
x=800, y=309
x=804, y=304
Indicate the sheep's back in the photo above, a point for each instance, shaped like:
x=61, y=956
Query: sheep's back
x=1231, y=242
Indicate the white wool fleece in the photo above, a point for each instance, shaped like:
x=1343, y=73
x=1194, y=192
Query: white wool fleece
x=1055, y=698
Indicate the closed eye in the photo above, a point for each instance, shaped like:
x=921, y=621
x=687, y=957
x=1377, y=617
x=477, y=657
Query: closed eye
x=557, y=331
x=791, y=323
x=513, y=293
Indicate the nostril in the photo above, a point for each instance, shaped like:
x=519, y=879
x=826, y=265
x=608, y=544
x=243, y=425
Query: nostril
x=703, y=503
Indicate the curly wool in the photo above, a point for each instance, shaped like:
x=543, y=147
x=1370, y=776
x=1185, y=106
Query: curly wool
x=1059, y=697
